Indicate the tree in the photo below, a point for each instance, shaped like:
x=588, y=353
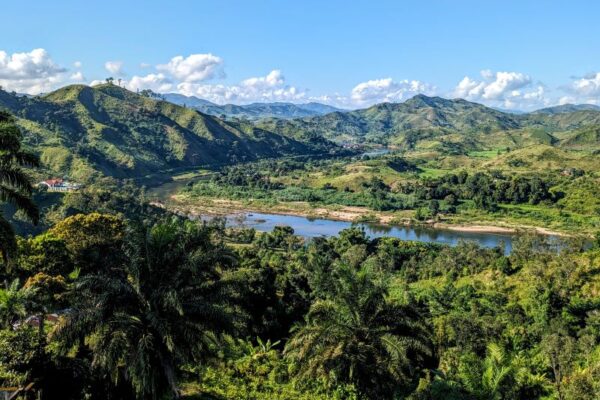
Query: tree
x=434, y=207
x=559, y=349
x=490, y=378
x=420, y=214
x=93, y=240
x=12, y=304
x=160, y=310
x=500, y=376
x=43, y=253
x=358, y=336
x=15, y=184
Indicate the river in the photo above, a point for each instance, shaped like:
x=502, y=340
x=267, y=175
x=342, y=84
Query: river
x=309, y=227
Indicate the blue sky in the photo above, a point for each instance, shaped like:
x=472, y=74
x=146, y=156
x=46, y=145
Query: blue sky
x=510, y=54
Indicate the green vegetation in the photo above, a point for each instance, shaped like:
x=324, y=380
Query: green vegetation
x=15, y=185
x=450, y=126
x=113, y=297
x=392, y=188
x=89, y=132
x=176, y=308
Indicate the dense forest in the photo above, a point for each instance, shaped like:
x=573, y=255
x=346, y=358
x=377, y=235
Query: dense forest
x=118, y=299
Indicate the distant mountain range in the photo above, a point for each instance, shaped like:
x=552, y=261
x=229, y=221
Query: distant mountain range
x=568, y=108
x=105, y=130
x=252, y=111
x=435, y=123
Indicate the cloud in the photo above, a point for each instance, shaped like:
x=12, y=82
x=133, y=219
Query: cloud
x=35, y=72
x=30, y=72
x=155, y=82
x=587, y=87
x=114, y=67
x=77, y=76
x=271, y=87
x=494, y=86
x=193, y=68
x=512, y=90
x=388, y=90
x=273, y=79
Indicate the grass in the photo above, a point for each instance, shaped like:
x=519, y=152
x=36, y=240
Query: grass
x=432, y=172
x=529, y=216
x=487, y=154
x=191, y=175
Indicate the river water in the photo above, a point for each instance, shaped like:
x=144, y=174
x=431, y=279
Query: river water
x=309, y=227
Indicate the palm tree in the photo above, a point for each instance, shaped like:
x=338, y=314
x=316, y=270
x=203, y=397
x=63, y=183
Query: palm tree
x=15, y=185
x=12, y=304
x=359, y=336
x=501, y=376
x=163, y=308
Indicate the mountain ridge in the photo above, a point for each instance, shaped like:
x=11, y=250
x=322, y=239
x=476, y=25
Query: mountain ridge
x=566, y=108
x=86, y=132
x=253, y=111
x=437, y=121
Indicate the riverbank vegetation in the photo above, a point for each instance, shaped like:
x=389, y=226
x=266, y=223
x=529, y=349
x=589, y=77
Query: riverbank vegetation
x=402, y=187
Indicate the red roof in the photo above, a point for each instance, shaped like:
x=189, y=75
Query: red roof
x=54, y=182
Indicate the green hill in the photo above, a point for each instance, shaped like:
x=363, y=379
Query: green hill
x=449, y=126
x=83, y=132
x=587, y=138
x=421, y=116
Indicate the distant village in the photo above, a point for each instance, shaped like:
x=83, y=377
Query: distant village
x=59, y=185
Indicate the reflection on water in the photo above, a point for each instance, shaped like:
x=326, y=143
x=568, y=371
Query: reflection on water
x=315, y=227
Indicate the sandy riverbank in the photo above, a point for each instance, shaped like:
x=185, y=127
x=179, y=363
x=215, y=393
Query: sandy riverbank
x=346, y=213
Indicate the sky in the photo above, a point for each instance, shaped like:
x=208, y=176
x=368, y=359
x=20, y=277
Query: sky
x=519, y=55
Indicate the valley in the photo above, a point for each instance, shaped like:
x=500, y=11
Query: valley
x=383, y=164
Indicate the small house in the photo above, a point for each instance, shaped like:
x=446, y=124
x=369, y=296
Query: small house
x=59, y=185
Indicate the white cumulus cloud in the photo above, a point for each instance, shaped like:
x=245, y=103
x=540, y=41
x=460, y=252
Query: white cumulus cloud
x=511, y=90
x=273, y=79
x=271, y=87
x=114, y=67
x=193, y=68
x=29, y=72
x=387, y=90
x=77, y=76
x=155, y=82
x=585, y=89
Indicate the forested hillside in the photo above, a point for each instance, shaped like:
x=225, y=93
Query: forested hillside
x=85, y=132
x=425, y=122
